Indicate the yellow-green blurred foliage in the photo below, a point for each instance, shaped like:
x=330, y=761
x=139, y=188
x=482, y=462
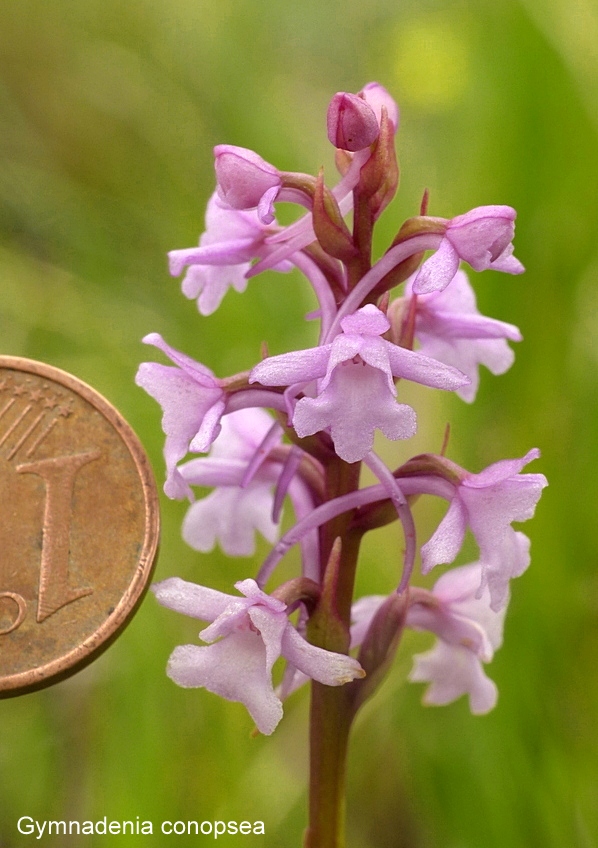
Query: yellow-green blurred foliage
x=108, y=112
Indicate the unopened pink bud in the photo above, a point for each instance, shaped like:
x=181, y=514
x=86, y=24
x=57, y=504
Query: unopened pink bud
x=352, y=123
x=244, y=177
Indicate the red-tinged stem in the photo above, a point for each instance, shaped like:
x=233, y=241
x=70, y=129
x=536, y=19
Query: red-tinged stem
x=363, y=226
x=330, y=712
x=329, y=737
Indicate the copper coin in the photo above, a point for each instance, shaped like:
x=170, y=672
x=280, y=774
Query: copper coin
x=79, y=524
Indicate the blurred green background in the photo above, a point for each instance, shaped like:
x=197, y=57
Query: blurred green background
x=108, y=113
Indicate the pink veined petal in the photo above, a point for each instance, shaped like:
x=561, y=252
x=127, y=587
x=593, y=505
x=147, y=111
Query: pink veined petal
x=462, y=593
x=451, y=627
x=235, y=669
x=449, y=329
x=209, y=429
x=356, y=402
x=454, y=325
x=422, y=369
x=502, y=470
x=250, y=588
x=467, y=355
x=452, y=672
x=231, y=516
x=492, y=510
x=362, y=612
x=271, y=627
x=192, y=403
x=376, y=352
x=226, y=225
x=190, y=411
x=462, y=614
x=342, y=349
x=511, y=558
x=221, y=254
x=233, y=618
x=300, y=366
x=265, y=208
x=202, y=375
x=445, y=543
x=243, y=176
x=351, y=122
x=438, y=270
x=372, y=350
x=377, y=96
x=369, y=320
x=242, y=433
x=507, y=263
x=458, y=584
x=482, y=235
x=208, y=285
x=326, y=667
x=190, y=598
x=484, y=213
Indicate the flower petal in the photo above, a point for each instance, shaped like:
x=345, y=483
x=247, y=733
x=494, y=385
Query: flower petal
x=324, y=666
x=190, y=598
x=445, y=543
x=451, y=672
x=235, y=669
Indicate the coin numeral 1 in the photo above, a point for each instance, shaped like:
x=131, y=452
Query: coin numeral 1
x=58, y=473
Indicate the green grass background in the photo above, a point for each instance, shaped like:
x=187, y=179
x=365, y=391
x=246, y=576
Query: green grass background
x=108, y=112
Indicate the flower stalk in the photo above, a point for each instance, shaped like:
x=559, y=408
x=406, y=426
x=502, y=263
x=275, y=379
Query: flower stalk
x=293, y=432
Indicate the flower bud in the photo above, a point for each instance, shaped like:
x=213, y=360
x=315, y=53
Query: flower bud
x=352, y=123
x=379, y=643
x=246, y=181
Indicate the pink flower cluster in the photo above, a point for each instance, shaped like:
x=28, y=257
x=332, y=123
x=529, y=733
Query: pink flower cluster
x=328, y=403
